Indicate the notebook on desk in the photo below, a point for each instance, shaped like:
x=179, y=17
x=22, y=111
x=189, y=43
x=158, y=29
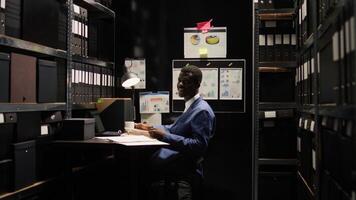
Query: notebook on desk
x=99, y=126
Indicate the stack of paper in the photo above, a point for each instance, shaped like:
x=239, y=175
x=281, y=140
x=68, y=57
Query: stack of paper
x=134, y=140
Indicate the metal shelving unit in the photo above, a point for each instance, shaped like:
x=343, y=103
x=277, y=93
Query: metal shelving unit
x=316, y=111
x=11, y=107
x=279, y=110
x=10, y=44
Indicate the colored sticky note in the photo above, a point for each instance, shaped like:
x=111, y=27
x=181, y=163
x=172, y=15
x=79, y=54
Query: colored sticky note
x=203, y=52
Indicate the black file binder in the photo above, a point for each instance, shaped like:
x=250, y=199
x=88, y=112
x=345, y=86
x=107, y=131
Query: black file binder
x=2, y=22
x=278, y=47
x=306, y=155
x=47, y=81
x=329, y=76
x=262, y=47
x=75, y=80
x=97, y=87
x=28, y=126
x=91, y=83
x=286, y=47
x=24, y=164
x=7, y=130
x=5, y=175
x=4, y=77
x=84, y=34
x=270, y=48
x=86, y=83
x=44, y=22
x=13, y=18
x=293, y=48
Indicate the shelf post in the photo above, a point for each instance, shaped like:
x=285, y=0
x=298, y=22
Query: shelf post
x=69, y=60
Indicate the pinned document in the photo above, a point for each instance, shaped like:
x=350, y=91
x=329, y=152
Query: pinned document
x=196, y=41
x=44, y=130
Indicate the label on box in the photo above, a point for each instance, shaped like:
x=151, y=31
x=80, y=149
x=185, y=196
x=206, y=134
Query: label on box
x=306, y=124
x=2, y=3
x=44, y=130
x=270, y=114
x=300, y=122
x=2, y=119
x=312, y=126
x=299, y=144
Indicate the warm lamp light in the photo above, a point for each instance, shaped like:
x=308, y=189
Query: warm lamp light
x=129, y=79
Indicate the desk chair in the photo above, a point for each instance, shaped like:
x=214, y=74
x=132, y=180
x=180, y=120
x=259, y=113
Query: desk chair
x=166, y=187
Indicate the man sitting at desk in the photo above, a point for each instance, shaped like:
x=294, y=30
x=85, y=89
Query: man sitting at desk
x=188, y=137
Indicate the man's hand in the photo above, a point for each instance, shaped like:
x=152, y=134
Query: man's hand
x=143, y=126
x=156, y=133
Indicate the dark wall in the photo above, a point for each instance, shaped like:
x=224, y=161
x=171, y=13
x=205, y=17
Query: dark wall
x=154, y=30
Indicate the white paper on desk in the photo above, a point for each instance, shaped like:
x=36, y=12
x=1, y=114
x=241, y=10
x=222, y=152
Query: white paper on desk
x=134, y=140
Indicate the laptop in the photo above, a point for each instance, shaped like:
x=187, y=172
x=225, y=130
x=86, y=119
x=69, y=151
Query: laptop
x=99, y=126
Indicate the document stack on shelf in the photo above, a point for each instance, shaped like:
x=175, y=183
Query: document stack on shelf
x=80, y=31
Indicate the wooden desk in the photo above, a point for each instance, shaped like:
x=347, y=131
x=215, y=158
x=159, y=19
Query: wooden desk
x=134, y=154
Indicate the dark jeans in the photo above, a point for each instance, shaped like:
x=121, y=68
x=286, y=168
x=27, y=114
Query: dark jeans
x=171, y=189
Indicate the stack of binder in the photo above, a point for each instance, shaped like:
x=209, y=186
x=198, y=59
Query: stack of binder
x=277, y=41
x=80, y=31
x=306, y=149
x=91, y=82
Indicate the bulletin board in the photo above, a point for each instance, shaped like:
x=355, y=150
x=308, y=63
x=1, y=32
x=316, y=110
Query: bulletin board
x=223, y=85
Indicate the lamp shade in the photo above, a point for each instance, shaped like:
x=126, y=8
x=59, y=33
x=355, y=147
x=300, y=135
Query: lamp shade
x=129, y=79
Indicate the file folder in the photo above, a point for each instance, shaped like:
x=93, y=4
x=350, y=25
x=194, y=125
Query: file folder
x=13, y=18
x=2, y=22
x=47, y=81
x=4, y=77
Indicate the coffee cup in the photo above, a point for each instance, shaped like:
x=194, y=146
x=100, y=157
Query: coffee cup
x=129, y=125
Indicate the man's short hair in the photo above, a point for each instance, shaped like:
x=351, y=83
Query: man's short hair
x=194, y=71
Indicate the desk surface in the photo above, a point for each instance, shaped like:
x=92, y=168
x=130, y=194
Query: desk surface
x=111, y=141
